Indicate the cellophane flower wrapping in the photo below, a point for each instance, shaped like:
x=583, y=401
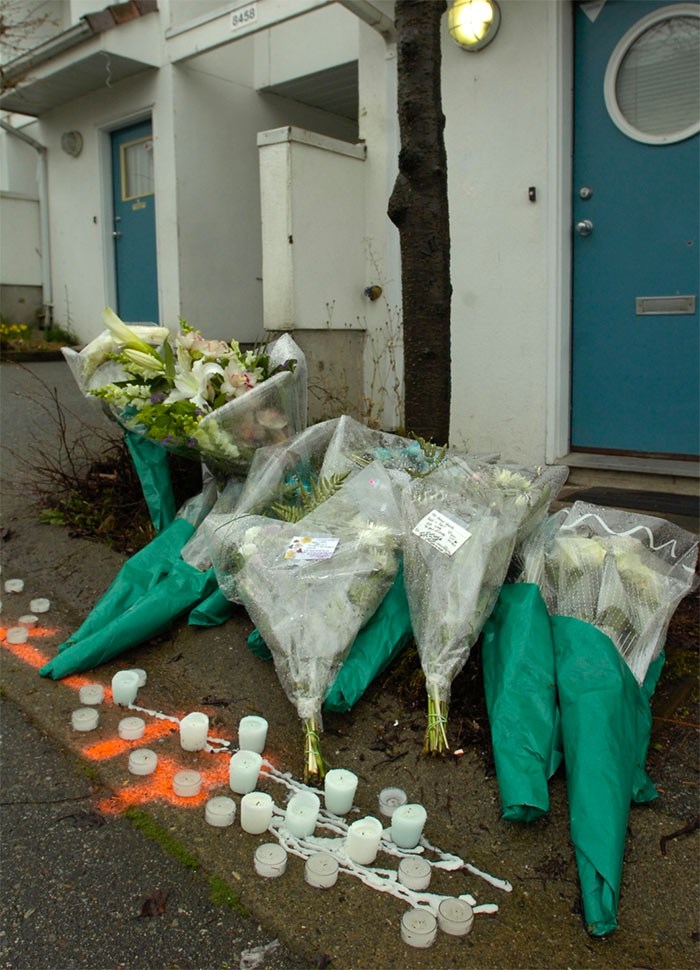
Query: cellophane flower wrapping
x=285, y=479
x=205, y=399
x=623, y=572
x=310, y=585
x=461, y=522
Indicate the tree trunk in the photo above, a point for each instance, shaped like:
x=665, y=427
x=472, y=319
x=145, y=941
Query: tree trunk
x=418, y=208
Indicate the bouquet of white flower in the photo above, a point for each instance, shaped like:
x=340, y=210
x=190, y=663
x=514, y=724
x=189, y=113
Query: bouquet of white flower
x=310, y=585
x=622, y=572
x=206, y=399
x=461, y=522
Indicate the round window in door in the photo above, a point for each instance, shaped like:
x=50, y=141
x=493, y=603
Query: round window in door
x=652, y=81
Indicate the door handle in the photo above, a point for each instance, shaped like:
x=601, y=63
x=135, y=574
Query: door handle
x=116, y=234
x=584, y=227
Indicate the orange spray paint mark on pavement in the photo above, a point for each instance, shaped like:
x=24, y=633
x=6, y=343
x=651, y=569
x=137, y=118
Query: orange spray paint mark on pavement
x=113, y=747
x=159, y=787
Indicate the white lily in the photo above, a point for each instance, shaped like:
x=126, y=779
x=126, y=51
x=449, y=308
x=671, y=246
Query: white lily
x=193, y=381
x=148, y=363
x=126, y=335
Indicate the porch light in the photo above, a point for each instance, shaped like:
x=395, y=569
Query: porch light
x=473, y=23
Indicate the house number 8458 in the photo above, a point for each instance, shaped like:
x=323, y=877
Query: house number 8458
x=244, y=16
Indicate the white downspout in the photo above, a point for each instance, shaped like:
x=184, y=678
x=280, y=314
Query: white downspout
x=43, y=184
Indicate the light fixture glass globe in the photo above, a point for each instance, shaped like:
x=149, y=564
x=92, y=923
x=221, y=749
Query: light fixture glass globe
x=473, y=23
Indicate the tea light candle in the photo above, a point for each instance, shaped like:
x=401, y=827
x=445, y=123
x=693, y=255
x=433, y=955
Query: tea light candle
x=187, y=783
x=28, y=620
x=131, y=728
x=256, y=812
x=321, y=870
x=252, y=733
x=414, y=873
x=17, y=634
x=125, y=687
x=220, y=811
x=407, y=825
x=302, y=814
x=270, y=860
x=194, y=729
x=390, y=799
x=455, y=916
x=142, y=761
x=340, y=787
x=143, y=676
x=243, y=771
x=15, y=586
x=362, y=842
x=40, y=605
x=91, y=694
x=418, y=928
x=84, y=719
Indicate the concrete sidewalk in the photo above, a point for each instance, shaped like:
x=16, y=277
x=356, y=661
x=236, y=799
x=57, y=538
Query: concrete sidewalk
x=537, y=924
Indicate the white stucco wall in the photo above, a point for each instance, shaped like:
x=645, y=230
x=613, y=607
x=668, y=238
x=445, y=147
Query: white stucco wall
x=20, y=245
x=496, y=106
x=217, y=117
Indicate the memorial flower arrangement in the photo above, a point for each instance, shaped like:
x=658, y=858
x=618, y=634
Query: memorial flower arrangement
x=310, y=585
x=461, y=522
x=208, y=399
x=622, y=572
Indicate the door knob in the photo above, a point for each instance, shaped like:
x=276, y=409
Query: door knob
x=116, y=234
x=584, y=227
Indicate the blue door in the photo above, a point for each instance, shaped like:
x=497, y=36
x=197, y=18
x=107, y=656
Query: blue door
x=133, y=189
x=635, y=338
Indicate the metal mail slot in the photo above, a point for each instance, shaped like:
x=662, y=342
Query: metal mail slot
x=650, y=305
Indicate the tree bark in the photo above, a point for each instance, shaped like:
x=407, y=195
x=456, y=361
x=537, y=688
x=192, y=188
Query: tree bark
x=418, y=207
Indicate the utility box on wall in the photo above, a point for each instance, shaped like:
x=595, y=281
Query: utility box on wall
x=313, y=231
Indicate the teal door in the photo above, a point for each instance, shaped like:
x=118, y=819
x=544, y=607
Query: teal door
x=635, y=340
x=134, y=202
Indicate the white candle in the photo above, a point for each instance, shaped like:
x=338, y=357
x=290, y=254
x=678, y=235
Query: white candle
x=220, y=811
x=407, y=825
x=142, y=761
x=131, y=728
x=339, y=787
x=455, y=916
x=418, y=928
x=243, y=771
x=17, y=634
x=256, y=812
x=143, y=676
x=414, y=873
x=91, y=694
x=252, y=733
x=125, y=687
x=187, y=783
x=84, y=719
x=270, y=860
x=302, y=814
x=362, y=842
x=321, y=870
x=390, y=799
x=15, y=586
x=194, y=729
x=28, y=620
x=40, y=605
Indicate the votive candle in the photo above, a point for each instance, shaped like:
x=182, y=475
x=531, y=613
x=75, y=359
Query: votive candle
x=407, y=825
x=321, y=870
x=85, y=719
x=194, y=729
x=220, y=811
x=302, y=814
x=270, y=860
x=256, y=812
x=252, y=733
x=125, y=687
x=418, y=928
x=339, y=788
x=362, y=842
x=455, y=916
x=243, y=771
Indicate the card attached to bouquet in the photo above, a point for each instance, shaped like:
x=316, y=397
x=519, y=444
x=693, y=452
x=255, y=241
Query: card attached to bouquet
x=442, y=533
x=310, y=548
